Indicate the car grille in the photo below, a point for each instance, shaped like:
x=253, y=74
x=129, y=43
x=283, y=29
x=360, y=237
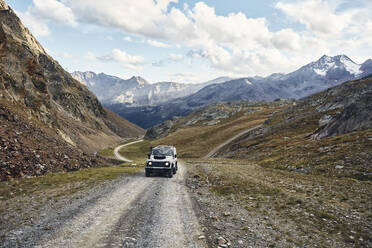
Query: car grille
x=158, y=164
x=159, y=157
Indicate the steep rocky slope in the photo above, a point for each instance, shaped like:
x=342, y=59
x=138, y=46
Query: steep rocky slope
x=29, y=149
x=35, y=88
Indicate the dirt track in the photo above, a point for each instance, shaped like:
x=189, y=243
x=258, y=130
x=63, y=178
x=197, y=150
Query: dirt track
x=216, y=149
x=117, y=149
x=142, y=212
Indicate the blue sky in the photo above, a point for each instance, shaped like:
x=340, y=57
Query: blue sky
x=194, y=41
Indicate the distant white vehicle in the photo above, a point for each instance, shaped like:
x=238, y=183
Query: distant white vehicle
x=162, y=159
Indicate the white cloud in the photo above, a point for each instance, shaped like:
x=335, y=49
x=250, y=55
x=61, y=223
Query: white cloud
x=127, y=61
x=119, y=56
x=131, y=16
x=53, y=10
x=287, y=39
x=318, y=16
x=233, y=43
x=37, y=15
x=155, y=43
x=37, y=26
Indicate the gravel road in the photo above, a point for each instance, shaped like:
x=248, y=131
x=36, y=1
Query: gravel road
x=142, y=212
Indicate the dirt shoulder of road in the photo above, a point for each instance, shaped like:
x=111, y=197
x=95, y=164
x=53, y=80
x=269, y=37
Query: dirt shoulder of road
x=244, y=205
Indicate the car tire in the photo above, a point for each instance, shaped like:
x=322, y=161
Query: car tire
x=170, y=173
x=174, y=170
x=147, y=173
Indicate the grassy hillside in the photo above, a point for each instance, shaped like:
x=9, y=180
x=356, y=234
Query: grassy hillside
x=289, y=137
x=194, y=138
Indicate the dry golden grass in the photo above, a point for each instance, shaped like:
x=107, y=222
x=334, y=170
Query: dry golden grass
x=288, y=146
x=136, y=152
x=109, y=152
x=197, y=141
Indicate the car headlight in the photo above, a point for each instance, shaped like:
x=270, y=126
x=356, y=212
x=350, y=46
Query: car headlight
x=149, y=163
x=166, y=164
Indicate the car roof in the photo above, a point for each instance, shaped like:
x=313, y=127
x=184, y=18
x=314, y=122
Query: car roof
x=164, y=146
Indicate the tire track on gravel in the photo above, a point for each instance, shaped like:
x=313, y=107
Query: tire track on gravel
x=86, y=229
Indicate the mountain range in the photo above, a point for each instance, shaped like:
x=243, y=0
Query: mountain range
x=307, y=80
x=136, y=91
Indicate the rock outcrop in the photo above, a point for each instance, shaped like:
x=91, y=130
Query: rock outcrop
x=353, y=100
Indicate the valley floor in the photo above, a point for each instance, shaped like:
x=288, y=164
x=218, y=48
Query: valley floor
x=208, y=203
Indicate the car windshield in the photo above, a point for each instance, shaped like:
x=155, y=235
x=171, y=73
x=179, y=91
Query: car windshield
x=162, y=152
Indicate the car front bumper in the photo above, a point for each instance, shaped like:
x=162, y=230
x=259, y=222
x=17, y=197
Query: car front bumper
x=158, y=169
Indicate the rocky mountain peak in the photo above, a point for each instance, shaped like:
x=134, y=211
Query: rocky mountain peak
x=139, y=80
x=11, y=24
x=84, y=77
x=367, y=66
x=3, y=5
x=340, y=62
x=325, y=59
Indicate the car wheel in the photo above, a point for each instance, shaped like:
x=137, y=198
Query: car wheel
x=170, y=173
x=147, y=173
x=174, y=170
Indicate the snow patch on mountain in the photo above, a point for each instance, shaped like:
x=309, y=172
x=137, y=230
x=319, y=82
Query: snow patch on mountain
x=248, y=82
x=127, y=97
x=321, y=72
x=350, y=66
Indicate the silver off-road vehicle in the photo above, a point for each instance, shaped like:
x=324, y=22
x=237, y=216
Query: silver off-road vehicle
x=162, y=159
